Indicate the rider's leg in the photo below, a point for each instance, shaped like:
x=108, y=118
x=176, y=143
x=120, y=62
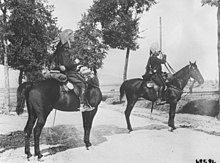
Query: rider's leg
x=161, y=90
x=83, y=99
x=159, y=99
x=79, y=81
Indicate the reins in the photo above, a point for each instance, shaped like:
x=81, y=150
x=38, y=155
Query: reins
x=169, y=68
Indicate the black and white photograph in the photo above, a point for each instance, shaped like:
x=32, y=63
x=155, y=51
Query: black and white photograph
x=109, y=81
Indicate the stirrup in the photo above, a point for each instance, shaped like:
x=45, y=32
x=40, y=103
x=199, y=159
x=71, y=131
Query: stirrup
x=70, y=85
x=65, y=88
x=160, y=102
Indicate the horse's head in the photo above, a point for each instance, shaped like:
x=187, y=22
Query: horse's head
x=195, y=73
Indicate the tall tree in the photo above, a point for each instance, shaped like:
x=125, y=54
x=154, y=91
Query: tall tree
x=216, y=3
x=88, y=44
x=32, y=29
x=119, y=20
x=26, y=30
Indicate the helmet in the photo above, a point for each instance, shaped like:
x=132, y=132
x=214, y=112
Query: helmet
x=67, y=36
x=154, y=47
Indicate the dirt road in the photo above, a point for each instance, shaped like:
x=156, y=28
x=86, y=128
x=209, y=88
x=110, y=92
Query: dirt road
x=196, y=137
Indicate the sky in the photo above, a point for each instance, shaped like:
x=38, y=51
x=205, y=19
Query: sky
x=189, y=33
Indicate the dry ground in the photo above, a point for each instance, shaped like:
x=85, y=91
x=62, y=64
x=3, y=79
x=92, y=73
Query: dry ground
x=196, y=137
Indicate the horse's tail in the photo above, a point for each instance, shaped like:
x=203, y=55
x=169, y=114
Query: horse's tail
x=22, y=91
x=122, y=91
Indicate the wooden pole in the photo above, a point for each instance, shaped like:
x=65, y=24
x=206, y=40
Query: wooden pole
x=6, y=73
x=160, y=33
x=126, y=64
x=218, y=49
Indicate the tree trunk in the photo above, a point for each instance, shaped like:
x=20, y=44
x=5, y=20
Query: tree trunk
x=218, y=48
x=126, y=64
x=20, y=77
x=7, y=89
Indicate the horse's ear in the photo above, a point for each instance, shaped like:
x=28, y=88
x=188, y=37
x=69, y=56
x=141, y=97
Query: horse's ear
x=195, y=62
x=190, y=63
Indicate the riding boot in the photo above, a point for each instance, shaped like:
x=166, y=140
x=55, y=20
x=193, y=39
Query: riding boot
x=83, y=101
x=159, y=99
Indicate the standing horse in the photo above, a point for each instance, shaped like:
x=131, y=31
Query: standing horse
x=136, y=88
x=42, y=97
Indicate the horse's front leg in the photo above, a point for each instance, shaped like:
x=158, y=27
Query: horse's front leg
x=88, y=117
x=172, y=115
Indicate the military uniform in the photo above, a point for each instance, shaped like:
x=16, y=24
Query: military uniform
x=154, y=69
x=70, y=65
x=154, y=64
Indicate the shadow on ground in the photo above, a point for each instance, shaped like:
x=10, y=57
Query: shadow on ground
x=63, y=137
x=201, y=107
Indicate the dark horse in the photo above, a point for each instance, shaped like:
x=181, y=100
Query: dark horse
x=136, y=88
x=41, y=98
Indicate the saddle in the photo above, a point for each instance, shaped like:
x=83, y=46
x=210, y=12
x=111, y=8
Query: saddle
x=69, y=86
x=66, y=84
x=149, y=79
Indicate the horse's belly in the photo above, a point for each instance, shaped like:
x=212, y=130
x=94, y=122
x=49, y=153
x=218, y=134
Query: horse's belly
x=67, y=102
x=68, y=109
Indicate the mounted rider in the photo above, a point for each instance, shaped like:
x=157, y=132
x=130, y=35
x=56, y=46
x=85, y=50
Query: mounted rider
x=154, y=70
x=66, y=62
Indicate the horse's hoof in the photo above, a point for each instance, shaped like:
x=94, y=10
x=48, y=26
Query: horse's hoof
x=39, y=156
x=40, y=159
x=29, y=155
x=88, y=147
x=88, y=144
x=171, y=129
x=130, y=130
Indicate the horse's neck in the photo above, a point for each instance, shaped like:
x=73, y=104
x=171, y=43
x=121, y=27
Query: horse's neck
x=182, y=77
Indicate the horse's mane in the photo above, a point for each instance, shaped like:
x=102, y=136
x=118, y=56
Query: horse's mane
x=181, y=72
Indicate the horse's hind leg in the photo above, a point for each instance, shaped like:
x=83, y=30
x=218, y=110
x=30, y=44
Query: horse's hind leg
x=42, y=116
x=128, y=110
x=87, y=125
x=28, y=130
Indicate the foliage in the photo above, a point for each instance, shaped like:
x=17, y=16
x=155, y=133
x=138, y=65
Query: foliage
x=3, y=25
x=88, y=46
x=119, y=20
x=210, y=2
x=34, y=76
x=31, y=28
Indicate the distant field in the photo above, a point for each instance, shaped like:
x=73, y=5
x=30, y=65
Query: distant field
x=12, y=97
x=106, y=90
x=204, y=91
